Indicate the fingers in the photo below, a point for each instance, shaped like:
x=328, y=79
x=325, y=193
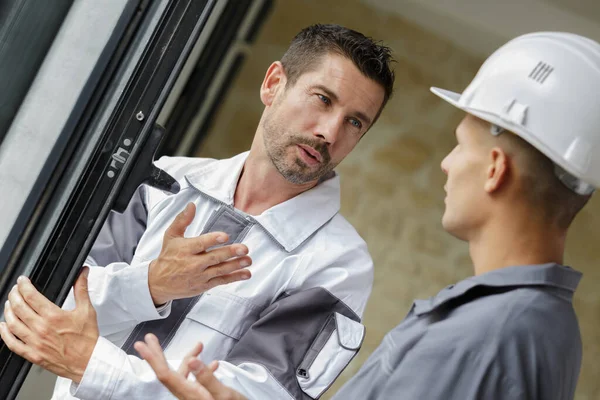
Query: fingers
x=176, y=383
x=200, y=244
x=183, y=368
x=21, y=309
x=15, y=325
x=241, y=275
x=14, y=344
x=151, y=351
x=80, y=291
x=205, y=376
x=37, y=301
x=147, y=354
x=181, y=222
x=154, y=344
x=219, y=255
x=227, y=252
x=228, y=267
x=213, y=366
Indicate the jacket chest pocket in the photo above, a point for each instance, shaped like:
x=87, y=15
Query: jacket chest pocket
x=219, y=319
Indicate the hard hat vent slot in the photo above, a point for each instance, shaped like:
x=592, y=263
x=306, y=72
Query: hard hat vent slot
x=541, y=72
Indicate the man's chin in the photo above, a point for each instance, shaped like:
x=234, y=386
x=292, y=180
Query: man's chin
x=453, y=228
x=298, y=178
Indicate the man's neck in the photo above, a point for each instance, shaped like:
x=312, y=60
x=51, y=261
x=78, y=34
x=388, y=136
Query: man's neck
x=261, y=186
x=516, y=241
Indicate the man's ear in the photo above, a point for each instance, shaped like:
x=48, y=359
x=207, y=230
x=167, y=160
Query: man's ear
x=497, y=170
x=275, y=80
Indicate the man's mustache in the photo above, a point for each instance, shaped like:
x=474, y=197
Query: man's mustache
x=316, y=144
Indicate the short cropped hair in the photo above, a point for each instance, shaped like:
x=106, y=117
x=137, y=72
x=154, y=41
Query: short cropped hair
x=546, y=193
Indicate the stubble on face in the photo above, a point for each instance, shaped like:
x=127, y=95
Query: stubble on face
x=281, y=146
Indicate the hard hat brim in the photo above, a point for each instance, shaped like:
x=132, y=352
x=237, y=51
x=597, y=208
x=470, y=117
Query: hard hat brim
x=449, y=96
x=454, y=99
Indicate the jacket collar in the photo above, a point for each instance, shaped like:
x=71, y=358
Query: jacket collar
x=289, y=223
x=548, y=275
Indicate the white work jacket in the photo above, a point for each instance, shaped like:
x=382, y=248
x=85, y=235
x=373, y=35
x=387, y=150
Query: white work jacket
x=286, y=333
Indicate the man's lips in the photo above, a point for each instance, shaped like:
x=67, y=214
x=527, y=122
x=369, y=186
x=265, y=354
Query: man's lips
x=312, y=152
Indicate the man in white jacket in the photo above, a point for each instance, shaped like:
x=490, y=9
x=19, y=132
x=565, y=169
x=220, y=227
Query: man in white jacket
x=161, y=266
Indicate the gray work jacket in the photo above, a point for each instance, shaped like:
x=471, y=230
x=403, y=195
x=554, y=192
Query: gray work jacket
x=508, y=334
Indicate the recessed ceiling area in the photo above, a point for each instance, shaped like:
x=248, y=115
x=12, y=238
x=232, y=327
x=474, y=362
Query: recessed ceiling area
x=481, y=26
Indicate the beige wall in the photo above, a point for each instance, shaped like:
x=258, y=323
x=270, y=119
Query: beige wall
x=392, y=186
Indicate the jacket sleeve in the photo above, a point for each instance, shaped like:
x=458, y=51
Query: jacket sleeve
x=113, y=282
x=112, y=374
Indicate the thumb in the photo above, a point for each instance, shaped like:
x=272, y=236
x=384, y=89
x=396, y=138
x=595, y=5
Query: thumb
x=181, y=222
x=80, y=291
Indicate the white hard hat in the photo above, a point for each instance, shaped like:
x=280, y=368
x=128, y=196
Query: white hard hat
x=544, y=87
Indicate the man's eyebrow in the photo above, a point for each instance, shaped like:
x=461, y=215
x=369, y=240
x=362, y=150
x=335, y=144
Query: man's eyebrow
x=334, y=97
x=327, y=91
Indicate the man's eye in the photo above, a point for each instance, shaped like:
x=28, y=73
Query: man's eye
x=324, y=99
x=356, y=123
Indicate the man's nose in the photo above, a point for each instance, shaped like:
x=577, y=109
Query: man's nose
x=444, y=165
x=329, y=129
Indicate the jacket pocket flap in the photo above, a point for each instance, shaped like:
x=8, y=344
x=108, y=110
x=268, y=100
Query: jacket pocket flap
x=350, y=333
x=224, y=312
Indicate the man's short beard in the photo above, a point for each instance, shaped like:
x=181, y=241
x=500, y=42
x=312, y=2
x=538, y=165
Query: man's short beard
x=298, y=173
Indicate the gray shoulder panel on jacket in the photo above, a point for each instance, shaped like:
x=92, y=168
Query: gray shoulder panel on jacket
x=290, y=334
x=120, y=233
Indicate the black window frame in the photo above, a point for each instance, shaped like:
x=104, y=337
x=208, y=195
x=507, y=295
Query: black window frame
x=63, y=217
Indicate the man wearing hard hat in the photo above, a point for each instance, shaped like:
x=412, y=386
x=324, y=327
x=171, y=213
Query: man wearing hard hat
x=527, y=160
